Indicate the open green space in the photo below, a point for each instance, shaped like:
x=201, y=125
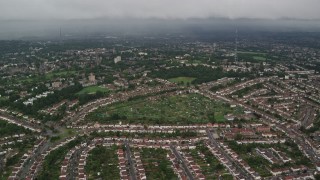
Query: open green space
x=252, y=56
x=102, y=163
x=60, y=74
x=62, y=133
x=259, y=58
x=252, y=53
x=179, y=109
x=157, y=165
x=210, y=166
x=182, y=80
x=92, y=90
x=261, y=165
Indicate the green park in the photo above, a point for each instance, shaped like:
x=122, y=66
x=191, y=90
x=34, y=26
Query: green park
x=178, y=109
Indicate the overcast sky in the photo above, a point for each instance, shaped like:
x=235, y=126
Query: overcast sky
x=181, y=9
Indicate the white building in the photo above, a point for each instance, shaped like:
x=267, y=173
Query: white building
x=117, y=59
x=92, y=78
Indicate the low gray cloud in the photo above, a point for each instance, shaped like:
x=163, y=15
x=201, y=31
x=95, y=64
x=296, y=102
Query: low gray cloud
x=166, y=9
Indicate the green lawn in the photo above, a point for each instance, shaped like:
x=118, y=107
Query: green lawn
x=185, y=80
x=252, y=53
x=259, y=58
x=59, y=74
x=65, y=133
x=253, y=56
x=92, y=90
x=180, y=109
x=219, y=117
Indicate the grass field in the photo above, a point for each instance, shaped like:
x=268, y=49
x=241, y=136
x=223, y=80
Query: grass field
x=255, y=56
x=259, y=58
x=252, y=53
x=92, y=90
x=185, y=80
x=59, y=74
x=180, y=109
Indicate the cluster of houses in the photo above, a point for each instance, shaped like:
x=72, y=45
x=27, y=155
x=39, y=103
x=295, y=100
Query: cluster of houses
x=176, y=166
x=39, y=158
x=54, y=108
x=293, y=173
x=164, y=143
x=305, y=176
x=12, y=136
x=141, y=173
x=124, y=174
x=248, y=133
x=226, y=161
x=25, y=158
x=273, y=156
x=8, y=140
x=193, y=166
x=261, y=141
x=242, y=163
x=237, y=87
x=200, y=128
x=31, y=100
x=81, y=175
x=28, y=125
x=221, y=151
x=66, y=162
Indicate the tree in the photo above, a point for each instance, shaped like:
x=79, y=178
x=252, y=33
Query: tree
x=238, y=137
x=211, y=117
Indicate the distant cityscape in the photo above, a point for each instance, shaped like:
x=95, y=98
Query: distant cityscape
x=162, y=107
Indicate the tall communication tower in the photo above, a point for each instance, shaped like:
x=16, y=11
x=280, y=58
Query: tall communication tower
x=236, y=47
